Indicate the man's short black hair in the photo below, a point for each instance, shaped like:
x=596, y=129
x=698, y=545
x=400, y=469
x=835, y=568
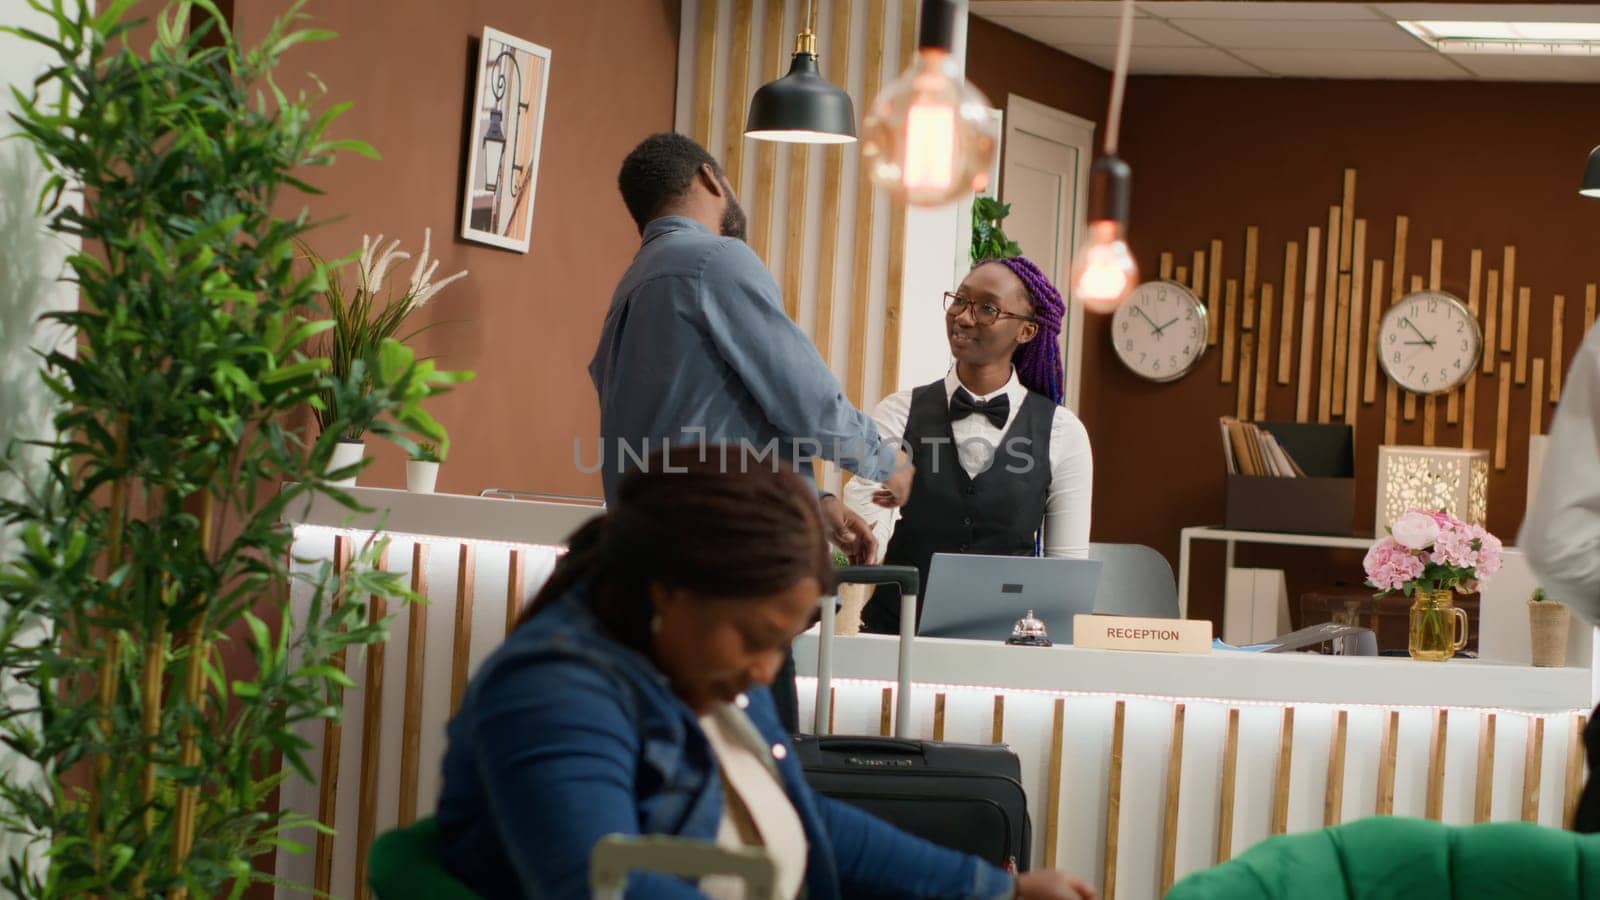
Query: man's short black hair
x=659, y=170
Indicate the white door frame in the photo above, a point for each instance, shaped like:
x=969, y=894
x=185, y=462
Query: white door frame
x=1031, y=117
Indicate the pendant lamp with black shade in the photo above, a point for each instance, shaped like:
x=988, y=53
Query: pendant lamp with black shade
x=802, y=107
x=1591, y=175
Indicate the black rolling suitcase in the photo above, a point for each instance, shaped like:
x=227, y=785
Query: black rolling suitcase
x=967, y=797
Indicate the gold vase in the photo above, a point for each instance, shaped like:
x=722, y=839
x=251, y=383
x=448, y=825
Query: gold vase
x=1438, y=626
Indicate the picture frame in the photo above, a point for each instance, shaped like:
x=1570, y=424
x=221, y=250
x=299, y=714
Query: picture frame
x=506, y=122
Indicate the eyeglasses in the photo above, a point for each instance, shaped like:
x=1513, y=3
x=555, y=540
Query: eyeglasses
x=982, y=313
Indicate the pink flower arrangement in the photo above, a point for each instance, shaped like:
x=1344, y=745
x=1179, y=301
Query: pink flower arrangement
x=1432, y=551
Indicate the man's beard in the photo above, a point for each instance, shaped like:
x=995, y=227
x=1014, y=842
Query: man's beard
x=734, y=224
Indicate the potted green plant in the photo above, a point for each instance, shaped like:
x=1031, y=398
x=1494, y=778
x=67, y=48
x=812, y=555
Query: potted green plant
x=989, y=240
x=422, y=468
x=153, y=536
x=363, y=316
x=1548, y=624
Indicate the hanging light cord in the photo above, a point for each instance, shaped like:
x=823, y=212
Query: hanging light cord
x=1119, y=78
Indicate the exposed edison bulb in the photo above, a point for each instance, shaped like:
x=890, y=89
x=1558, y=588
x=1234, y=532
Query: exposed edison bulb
x=927, y=138
x=1103, y=270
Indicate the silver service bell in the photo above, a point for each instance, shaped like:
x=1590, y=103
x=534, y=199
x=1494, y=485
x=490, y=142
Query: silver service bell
x=1029, y=632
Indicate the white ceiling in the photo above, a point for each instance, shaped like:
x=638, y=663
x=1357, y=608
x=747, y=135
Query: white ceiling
x=1247, y=38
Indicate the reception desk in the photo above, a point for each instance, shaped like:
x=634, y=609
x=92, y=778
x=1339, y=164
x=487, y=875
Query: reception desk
x=1139, y=767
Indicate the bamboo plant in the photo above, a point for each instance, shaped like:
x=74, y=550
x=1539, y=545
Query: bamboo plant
x=146, y=606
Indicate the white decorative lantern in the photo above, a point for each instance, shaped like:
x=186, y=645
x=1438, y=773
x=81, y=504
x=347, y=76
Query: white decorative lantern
x=1432, y=478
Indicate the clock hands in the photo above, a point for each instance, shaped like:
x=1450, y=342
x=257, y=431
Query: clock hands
x=1156, y=329
x=1160, y=329
x=1413, y=327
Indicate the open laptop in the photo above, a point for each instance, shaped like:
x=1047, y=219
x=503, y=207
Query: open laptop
x=982, y=597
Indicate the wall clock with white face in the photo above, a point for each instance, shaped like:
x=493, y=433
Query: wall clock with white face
x=1429, y=342
x=1159, y=332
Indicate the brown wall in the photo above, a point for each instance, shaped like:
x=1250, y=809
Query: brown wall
x=526, y=323
x=1476, y=165
x=1001, y=62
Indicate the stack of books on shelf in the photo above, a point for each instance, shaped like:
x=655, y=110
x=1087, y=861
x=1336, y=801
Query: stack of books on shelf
x=1251, y=450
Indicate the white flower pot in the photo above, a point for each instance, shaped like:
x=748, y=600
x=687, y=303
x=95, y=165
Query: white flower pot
x=345, y=454
x=421, y=475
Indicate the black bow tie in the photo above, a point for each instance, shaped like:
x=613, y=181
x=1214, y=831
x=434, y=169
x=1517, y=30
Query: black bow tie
x=995, y=409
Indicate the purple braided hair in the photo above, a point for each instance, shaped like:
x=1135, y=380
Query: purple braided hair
x=1038, y=361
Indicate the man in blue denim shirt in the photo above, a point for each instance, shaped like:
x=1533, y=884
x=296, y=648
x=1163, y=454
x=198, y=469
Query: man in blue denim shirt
x=697, y=349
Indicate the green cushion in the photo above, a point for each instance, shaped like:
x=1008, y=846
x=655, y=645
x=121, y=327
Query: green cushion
x=404, y=865
x=1384, y=858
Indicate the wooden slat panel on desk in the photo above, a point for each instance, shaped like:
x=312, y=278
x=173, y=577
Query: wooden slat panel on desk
x=1358, y=324
x=1333, y=793
x=1308, y=326
x=1483, y=795
x=1532, y=766
x=1230, y=772
x=1291, y=271
x=514, y=579
x=774, y=63
x=371, y=737
x=832, y=188
x=1575, y=761
x=866, y=199
x=1252, y=237
x=332, y=740
x=1369, y=391
x=705, y=70
x=1052, y=811
x=1214, y=293
x=938, y=716
x=738, y=82
x=1169, y=819
x=416, y=662
x=894, y=290
x=461, y=654
x=998, y=732
x=1114, y=800
x=1387, y=751
x=1437, y=749
x=1508, y=283
x=1263, y=354
x=886, y=713
x=1330, y=314
x=1280, y=784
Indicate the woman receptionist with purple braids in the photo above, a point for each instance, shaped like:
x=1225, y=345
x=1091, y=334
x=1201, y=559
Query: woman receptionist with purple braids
x=1002, y=467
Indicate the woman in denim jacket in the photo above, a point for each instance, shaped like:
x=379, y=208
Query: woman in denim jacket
x=632, y=699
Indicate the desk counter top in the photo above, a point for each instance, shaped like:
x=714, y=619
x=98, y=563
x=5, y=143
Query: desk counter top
x=1221, y=675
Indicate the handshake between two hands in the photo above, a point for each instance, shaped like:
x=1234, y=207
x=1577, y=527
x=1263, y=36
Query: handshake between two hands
x=849, y=531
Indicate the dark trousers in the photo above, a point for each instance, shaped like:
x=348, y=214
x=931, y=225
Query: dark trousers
x=785, y=696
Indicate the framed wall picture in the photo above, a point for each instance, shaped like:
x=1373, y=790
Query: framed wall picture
x=507, y=120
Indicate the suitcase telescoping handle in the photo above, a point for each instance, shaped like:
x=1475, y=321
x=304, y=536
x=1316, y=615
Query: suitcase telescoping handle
x=907, y=578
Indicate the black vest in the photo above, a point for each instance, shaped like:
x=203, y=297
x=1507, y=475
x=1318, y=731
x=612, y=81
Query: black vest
x=997, y=513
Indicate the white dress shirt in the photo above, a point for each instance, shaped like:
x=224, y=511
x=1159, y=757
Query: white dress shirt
x=1066, y=516
x=1561, y=533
